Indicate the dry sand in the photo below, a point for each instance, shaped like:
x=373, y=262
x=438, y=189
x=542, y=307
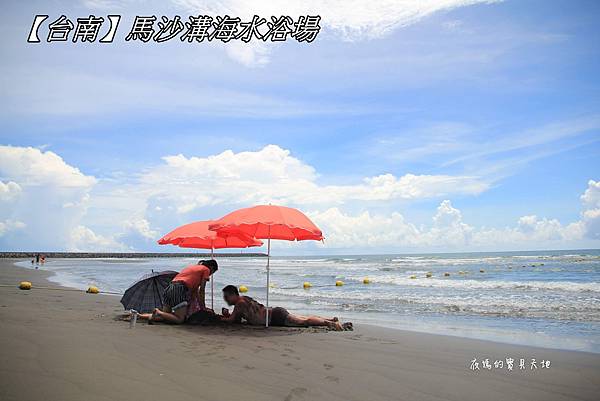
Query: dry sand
x=66, y=345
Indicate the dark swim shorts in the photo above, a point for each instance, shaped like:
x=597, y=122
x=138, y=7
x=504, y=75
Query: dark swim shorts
x=176, y=295
x=278, y=316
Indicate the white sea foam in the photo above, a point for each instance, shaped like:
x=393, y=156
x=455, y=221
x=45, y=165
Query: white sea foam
x=515, y=306
x=483, y=284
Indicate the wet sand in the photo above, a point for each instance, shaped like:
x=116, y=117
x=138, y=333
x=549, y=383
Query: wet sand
x=66, y=345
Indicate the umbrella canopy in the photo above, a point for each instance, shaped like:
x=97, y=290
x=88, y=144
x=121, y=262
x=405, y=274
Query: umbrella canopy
x=147, y=293
x=197, y=235
x=268, y=222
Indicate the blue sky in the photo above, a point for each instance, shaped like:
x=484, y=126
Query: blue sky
x=492, y=106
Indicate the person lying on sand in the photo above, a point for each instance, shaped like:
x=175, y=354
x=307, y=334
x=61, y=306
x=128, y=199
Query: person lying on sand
x=186, y=290
x=254, y=313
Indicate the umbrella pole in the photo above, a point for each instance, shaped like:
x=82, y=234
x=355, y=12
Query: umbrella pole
x=212, y=283
x=268, y=281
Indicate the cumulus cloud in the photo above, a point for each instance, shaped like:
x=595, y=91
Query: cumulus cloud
x=591, y=214
x=141, y=227
x=9, y=191
x=83, y=239
x=366, y=230
x=547, y=229
x=33, y=167
x=348, y=20
x=51, y=197
x=591, y=196
x=50, y=204
x=138, y=233
x=448, y=231
x=273, y=175
x=448, y=226
x=9, y=225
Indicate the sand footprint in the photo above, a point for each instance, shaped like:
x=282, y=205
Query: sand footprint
x=295, y=392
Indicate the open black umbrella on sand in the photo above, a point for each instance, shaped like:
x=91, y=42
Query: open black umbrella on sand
x=147, y=293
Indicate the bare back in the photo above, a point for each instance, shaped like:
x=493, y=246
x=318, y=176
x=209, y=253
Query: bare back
x=251, y=310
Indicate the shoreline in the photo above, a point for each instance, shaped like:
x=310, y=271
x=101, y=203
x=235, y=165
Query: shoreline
x=128, y=255
x=519, y=338
x=66, y=345
x=57, y=286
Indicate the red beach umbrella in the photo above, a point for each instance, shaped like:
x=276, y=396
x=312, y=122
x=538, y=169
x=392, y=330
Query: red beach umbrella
x=197, y=235
x=268, y=222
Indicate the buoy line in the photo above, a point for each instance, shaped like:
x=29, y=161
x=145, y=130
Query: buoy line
x=59, y=289
x=94, y=290
x=302, y=286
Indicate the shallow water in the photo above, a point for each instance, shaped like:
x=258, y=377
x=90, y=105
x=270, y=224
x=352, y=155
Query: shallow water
x=549, y=299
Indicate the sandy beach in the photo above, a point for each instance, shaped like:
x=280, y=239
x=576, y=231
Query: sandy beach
x=67, y=345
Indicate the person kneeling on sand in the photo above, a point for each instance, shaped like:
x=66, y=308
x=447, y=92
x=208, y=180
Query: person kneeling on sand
x=254, y=313
x=186, y=289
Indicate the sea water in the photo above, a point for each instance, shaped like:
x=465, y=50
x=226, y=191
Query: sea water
x=548, y=299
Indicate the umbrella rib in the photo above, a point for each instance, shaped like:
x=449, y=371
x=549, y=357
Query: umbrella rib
x=157, y=292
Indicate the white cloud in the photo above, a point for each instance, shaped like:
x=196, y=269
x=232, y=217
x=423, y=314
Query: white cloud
x=83, y=239
x=494, y=155
x=141, y=227
x=591, y=196
x=186, y=188
x=9, y=191
x=393, y=232
x=591, y=222
x=31, y=166
x=349, y=20
x=53, y=201
x=531, y=138
x=449, y=232
x=137, y=233
x=273, y=175
x=10, y=225
x=253, y=54
x=448, y=227
x=59, y=207
x=447, y=215
x=591, y=214
x=52, y=196
x=544, y=229
x=364, y=230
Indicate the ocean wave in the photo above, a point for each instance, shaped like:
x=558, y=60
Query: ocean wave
x=442, y=262
x=562, y=308
x=480, y=284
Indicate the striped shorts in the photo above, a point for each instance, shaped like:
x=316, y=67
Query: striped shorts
x=176, y=295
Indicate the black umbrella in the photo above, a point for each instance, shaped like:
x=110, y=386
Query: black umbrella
x=147, y=293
